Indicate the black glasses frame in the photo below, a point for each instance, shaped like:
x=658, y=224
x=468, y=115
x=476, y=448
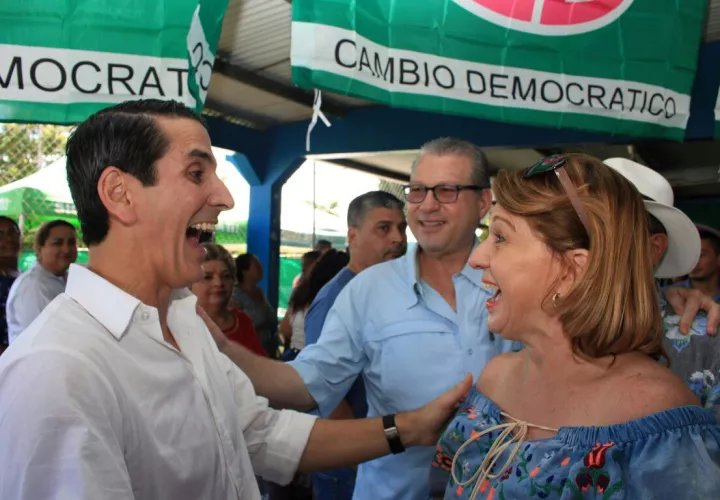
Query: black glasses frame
x=455, y=187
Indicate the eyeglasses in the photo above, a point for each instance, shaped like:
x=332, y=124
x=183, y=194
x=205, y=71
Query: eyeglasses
x=443, y=193
x=555, y=163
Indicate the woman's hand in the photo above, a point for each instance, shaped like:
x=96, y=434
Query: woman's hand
x=217, y=334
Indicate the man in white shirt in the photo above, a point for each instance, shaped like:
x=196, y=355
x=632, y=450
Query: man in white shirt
x=117, y=390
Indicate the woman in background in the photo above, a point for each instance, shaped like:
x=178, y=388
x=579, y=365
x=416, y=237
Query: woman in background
x=306, y=265
x=9, y=254
x=293, y=325
x=32, y=291
x=250, y=298
x=214, y=292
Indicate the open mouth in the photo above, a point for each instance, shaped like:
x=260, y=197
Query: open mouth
x=492, y=301
x=200, y=232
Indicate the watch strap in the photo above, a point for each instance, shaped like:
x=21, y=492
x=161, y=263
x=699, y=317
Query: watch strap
x=392, y=435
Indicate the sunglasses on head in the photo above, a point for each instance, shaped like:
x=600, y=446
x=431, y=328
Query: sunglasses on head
x=555, y=163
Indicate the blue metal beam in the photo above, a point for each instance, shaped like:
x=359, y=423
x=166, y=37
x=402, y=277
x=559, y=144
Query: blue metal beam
x=254, y=144
x=263, y=234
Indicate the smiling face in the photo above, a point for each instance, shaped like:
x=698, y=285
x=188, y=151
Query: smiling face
x=215, y=288
x=59, y=250
x=519, y=266
x=446, y=228
x=186, y=199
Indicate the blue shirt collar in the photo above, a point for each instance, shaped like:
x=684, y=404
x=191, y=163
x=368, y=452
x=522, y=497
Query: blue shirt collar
x=412, y=273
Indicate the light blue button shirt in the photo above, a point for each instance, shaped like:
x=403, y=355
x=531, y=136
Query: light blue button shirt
x=410, y=347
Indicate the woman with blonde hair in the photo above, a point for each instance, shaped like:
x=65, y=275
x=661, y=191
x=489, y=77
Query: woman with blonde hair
x=585, y=410
x=214, y=292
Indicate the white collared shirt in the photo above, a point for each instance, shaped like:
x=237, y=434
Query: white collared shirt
x=31, y=292
x=95, y=405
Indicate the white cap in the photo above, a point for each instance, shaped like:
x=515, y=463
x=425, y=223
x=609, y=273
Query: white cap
x=683, y=250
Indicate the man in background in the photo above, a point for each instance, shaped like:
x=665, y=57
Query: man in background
x=705, y=277
x=412, y=326
x=376, y=233
x=675, y=248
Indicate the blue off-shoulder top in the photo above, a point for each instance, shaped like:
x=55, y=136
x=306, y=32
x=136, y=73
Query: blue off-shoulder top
x=674, y=455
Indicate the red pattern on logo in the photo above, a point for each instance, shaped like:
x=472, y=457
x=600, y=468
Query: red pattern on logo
x=554, y=12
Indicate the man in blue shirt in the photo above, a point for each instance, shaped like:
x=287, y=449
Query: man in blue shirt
x=412, y=326
x=376, y=233
x=706, y=274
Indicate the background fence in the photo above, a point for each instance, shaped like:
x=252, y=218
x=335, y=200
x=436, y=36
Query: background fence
x=32, y=187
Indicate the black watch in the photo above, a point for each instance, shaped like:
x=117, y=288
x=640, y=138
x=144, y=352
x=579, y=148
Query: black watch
x=392, y=435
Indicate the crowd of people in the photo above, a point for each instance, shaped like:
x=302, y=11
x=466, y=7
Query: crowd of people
x=570, y=354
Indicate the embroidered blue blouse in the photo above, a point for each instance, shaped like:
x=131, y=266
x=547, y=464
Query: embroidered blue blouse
x=674, y=454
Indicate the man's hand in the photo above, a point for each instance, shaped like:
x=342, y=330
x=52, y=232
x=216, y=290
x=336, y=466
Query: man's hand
x=424, y=426
x=687, y=302
x=217, y=334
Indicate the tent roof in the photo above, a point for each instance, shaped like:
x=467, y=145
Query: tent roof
x=51, y=180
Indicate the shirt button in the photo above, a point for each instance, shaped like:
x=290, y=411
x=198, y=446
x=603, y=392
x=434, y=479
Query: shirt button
x=470, y=352
x=145, y=315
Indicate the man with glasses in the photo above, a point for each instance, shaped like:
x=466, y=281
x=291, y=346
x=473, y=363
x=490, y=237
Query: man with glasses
x=412, y=326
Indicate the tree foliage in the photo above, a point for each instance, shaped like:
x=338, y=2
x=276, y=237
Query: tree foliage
x=25, y=149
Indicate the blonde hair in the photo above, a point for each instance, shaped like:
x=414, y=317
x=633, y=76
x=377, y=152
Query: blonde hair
x=613, y=307
x=219, y=252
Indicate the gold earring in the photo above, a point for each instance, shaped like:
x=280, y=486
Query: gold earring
x=554, y=299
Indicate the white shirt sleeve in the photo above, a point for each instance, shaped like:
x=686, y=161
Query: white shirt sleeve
x=276, y=439
x=59, y=431
x=26, y=303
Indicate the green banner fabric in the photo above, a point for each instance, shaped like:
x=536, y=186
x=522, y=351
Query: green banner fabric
x=618, y=66
x=63, y=60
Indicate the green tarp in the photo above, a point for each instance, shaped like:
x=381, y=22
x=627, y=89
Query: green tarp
x=617, y=66
x=62, y=60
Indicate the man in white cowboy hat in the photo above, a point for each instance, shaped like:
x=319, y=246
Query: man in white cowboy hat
x=675, y=248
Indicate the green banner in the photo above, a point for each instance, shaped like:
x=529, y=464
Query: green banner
x=617, y=66
x=61, y=61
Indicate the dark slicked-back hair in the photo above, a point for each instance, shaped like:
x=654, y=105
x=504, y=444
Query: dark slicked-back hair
x=125, y=136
